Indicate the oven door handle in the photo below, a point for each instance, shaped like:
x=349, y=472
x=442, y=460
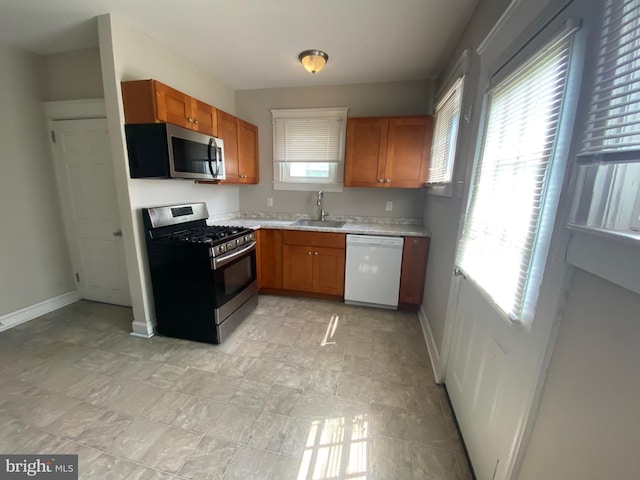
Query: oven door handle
x=217, y=262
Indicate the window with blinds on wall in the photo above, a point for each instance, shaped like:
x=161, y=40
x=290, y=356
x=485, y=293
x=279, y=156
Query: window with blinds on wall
x=308, y=148
x=504, y=241
x=445, y=135
x=608, y=197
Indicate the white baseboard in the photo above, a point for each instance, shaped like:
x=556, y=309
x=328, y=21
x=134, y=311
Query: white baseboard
x=432, y=348
x=142, y=329
x=23, y=315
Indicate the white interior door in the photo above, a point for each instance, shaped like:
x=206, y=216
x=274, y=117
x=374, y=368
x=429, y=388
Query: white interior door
x=88, y=196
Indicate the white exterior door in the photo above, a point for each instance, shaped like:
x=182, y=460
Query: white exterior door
x=87, y=192
x=484, y=379
x=503, y=312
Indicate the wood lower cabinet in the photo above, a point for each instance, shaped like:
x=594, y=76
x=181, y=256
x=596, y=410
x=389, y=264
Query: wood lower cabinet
x=415, y=253
x=388, y=152
x=269, y=253
x=150, y=101
x=313, y=263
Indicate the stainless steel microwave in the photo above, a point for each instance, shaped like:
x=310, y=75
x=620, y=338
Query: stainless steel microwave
x=161, y=150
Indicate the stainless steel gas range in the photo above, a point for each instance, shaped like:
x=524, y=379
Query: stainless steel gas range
x=204, y=277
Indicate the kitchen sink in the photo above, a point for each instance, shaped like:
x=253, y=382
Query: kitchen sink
x=318, y=223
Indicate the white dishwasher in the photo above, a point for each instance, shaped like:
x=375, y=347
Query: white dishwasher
x=372, y=270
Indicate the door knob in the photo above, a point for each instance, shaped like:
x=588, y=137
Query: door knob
x=117, y=233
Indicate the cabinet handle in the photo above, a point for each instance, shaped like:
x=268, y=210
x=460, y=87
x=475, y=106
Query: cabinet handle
x=196, y=121
x=381, y=180
x=315, y=253
x=387, y=180
x=308, y=253
x=190, y=119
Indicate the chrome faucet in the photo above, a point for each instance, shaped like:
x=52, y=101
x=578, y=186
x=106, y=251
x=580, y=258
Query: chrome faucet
x=322, y=213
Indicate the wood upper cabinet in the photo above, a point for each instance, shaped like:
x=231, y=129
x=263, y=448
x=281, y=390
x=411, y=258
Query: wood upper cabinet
x=415, y=253
x=240, y=148
x=388, y=152
x=313, y=262
x=269, y=253
x=150, y=101
x=228, y=132
x=248, y=161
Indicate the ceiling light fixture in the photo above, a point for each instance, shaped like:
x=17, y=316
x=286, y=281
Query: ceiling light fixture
x=313, y=60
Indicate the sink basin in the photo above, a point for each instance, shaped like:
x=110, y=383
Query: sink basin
x=318, y=223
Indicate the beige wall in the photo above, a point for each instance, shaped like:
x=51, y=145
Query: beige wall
x=34, y=260
x=129, y=54
x=377, y=99
x=73, y=75
x=588, y=426
x=442, y=214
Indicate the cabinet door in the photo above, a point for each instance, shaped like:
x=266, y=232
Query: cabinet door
x=270, y=259
x=414, y=268
x=248, y=163
x=408, y=151
x=205, y=118
x=138, y=100
x=366, y=150
x=228, y=132
x=173, y=106
x=297, y=267
x=328, y=270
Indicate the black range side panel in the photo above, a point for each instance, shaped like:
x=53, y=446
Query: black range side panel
x=148, y=150
x=183, y=291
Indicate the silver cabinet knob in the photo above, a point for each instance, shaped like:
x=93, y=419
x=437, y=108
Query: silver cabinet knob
x=190, y=119
x=380, y=180
x=315, y=253
x=117, y=233
x=196, y=121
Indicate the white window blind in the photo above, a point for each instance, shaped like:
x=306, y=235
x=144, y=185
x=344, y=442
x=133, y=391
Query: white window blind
x=307, y=140
x=308, y=148
x=511, y=178
x=445, y=135
x=612, y=132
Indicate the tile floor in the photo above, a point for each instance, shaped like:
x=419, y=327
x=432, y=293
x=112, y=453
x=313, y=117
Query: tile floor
x=283, y=398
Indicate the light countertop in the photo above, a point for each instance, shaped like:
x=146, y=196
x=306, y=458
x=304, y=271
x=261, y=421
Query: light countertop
x=353, y=225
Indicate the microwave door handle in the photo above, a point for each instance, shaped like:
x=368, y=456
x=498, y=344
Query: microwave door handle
x=218, y=159
x=209, y=159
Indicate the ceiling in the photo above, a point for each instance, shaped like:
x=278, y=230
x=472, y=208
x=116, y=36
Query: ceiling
x=251, y=44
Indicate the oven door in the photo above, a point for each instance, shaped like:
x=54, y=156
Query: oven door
x=234, y=274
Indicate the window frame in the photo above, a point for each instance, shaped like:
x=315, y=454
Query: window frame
x=457, y=88
x=555, y=173
x=282, y=178
x=462, y=68
x=608, y=254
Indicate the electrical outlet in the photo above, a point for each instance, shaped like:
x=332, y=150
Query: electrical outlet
x=269, y=201
x=389, y=206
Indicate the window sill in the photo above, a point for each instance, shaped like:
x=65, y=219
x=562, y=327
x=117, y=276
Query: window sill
x=308, y=187
x=614, y=256
x=449, y=190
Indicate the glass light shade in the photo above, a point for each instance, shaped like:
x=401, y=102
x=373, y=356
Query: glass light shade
x=313, y=60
